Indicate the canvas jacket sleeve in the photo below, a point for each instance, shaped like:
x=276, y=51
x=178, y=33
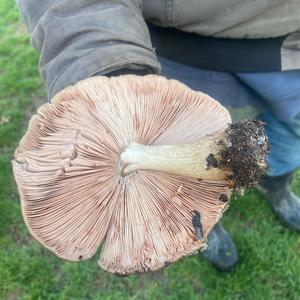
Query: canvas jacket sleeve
x=77, y=39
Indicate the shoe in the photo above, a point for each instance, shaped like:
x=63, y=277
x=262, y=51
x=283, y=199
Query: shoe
x=284, y=202
x=221, y=251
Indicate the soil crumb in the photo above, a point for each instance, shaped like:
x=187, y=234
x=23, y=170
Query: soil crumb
x=247, y=153
x=196, y=221
x=211, y=161
x=223, y=198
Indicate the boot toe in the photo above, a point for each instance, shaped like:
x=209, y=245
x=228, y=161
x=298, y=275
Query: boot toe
x=221, y=251
x=278, y=193
x=288, y=209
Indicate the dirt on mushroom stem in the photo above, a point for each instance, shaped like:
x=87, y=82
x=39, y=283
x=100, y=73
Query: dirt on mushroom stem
x=246, y=154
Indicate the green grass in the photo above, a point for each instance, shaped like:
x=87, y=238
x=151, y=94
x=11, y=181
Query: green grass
x=269, y=253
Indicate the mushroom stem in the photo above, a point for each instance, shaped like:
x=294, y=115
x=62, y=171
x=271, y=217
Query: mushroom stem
x=199, y=160
x=239, y=153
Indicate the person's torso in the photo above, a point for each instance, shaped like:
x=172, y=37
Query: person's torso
x=226, y=18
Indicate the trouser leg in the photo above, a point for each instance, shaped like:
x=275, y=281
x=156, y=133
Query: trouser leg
x=281, y=93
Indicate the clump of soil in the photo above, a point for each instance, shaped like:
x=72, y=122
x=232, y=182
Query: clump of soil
x=247, y=153
x=211, y=161
x=196, y=221
x=223, y=198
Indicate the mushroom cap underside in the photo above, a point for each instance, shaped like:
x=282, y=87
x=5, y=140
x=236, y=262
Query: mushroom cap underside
x=71, y=196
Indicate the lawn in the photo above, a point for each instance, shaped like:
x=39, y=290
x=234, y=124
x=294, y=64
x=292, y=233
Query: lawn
x=269, y=253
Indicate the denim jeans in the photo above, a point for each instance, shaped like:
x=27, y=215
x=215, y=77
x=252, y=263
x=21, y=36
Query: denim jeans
x=273, y=97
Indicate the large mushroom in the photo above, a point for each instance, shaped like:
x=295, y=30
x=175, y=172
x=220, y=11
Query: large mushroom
x=142, y=164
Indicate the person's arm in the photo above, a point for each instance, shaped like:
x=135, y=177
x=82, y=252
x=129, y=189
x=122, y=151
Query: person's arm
x=77, y=39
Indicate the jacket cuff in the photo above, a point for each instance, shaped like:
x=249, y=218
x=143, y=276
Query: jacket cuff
x=127, y=71
x=99, y=61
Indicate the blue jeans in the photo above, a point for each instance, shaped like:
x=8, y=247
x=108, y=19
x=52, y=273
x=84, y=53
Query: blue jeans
x=275, y=94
